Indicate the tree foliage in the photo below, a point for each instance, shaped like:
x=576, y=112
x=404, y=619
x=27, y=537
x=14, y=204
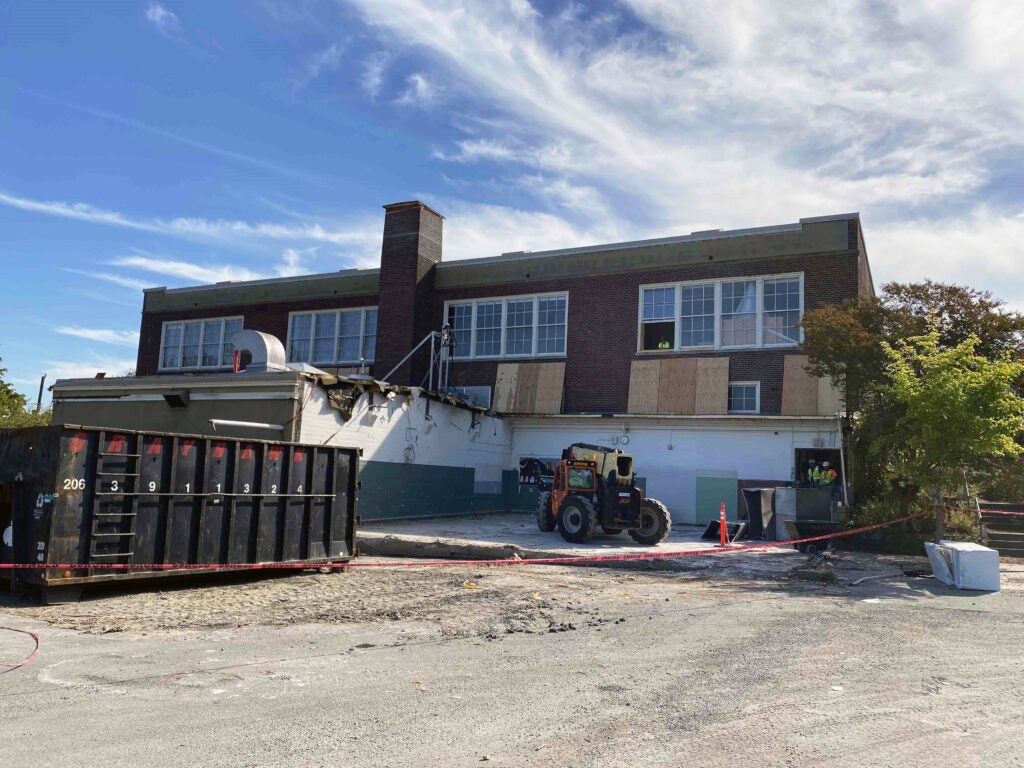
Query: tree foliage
x=930, y=377
x=845, y=341
x=14, y=411
x=956, y=408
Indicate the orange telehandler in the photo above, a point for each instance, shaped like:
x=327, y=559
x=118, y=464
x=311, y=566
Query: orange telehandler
x=593, y=485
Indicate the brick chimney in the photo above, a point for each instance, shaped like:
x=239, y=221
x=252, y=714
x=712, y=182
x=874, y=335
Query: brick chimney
x=410, y=250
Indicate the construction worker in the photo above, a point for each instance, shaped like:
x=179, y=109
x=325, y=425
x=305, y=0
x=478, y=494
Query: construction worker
x=813, y=474
x=827, y=475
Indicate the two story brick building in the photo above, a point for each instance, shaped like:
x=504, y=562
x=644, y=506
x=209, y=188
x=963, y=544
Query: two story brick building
x=686, y=348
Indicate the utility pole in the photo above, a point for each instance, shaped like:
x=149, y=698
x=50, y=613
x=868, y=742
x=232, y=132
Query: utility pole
x=39, y=400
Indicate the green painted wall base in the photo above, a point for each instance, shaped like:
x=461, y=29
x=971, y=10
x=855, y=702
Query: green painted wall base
x=393, y=491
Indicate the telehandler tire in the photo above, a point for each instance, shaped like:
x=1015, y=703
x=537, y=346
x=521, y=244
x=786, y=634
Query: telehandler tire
x=577, y=519
x=545, y=517
x=655, y=523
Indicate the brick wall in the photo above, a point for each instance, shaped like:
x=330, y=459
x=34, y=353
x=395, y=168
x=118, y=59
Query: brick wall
x=269, y=318
x=602, y=327
x=602, y=320
x=410, y=250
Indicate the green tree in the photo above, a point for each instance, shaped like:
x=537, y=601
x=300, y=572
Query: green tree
x=844, y=341
x=954, y=410
x=14, y=411
x=957, y=312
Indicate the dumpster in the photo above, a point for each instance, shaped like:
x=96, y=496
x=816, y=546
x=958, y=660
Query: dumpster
x=807, y=529
x=116, y=504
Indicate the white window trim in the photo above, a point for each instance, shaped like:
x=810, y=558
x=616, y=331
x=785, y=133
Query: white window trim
x=502, y=355
x=337, y=331
x=757, y=396
x=717, y=282
x=181, y=345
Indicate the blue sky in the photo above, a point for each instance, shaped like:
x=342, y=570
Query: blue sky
x=175, y=143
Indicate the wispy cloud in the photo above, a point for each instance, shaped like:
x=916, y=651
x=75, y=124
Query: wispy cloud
x=165, y=21
x=295, y=262
x=373, y=72
x=195, y=227
x=241, y=158
x=475, y=230
x=980, y=249
x=419, y=92
x=104, y=335
x=87, y=366
x=126, y=282
x=326, y=60
x=195, y=273
x=678, y=116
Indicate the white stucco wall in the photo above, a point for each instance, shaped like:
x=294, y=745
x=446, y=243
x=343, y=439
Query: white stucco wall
x=670, y=452
x=447, y=436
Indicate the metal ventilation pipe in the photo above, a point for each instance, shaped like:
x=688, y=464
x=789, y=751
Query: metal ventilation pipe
x=267, y=351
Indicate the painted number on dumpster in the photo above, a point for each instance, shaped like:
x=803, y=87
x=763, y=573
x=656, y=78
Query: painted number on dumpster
x=74, y=484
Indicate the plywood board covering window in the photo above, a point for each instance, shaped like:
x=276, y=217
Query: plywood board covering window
x=677, y=386
x=712, y=386
x=529, y=387
x=799, y=388
x=644, y=378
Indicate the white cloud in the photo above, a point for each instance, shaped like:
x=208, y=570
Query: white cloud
x=475, y=230
x=165, y=21
x=87, y=367
x=126, y=282
x=326, y=60
x=981, y=250
x=667, y=117
x=730, y=112
x=194, y=227
x=295, y=262
x=107, y=336
x=373, y=72
x=195, y=273
x=420, y=92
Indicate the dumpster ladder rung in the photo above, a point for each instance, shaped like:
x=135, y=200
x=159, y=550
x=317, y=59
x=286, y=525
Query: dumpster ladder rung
x=112, y=535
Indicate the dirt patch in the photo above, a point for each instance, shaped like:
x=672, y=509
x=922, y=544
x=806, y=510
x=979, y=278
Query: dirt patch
x=460, y=602
x=488, y=602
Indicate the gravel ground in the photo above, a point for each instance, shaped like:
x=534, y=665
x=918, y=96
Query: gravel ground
x=520, y=666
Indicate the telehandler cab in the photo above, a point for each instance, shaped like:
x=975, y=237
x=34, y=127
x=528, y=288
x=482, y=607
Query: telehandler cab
x=593, y=485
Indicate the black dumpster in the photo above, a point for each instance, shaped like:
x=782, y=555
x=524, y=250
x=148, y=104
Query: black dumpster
x=808, y=529
x=104, y=504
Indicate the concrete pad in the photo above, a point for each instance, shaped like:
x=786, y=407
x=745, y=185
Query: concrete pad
x=501, y=536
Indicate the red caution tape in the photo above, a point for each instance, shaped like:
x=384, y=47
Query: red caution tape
x=27, y=659
x=306, y=565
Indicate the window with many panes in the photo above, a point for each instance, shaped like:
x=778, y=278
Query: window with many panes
x=191, y=344
x=747, y=312
x=781, y=311
x=658, y=325
x=333, y=337
x=744, y=397
x=739, y=314
x=516, y=326
x=698, y=315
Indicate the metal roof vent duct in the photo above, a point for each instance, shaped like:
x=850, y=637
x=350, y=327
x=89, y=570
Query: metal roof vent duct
x=267, y=351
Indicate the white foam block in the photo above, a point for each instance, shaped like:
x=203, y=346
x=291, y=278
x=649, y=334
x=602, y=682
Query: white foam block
x=941, y=563
x=974, y=566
